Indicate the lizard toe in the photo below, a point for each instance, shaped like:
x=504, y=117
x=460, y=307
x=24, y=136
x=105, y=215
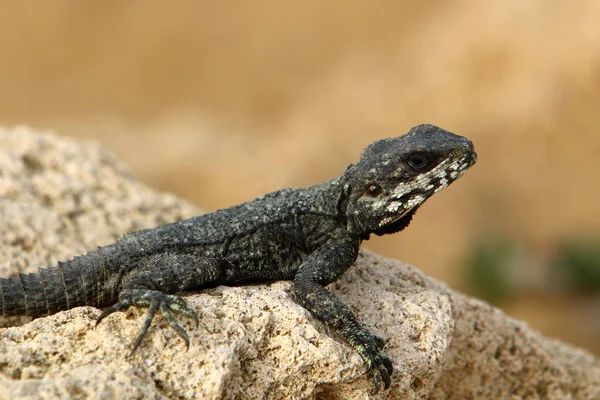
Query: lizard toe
x=380, y=371
x=110, y=310
x=379, y=366
x=168, y=305
x=173, y=323
x=379, y=341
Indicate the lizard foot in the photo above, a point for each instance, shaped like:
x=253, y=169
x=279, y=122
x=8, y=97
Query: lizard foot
x=154, y=300
x=379, y=366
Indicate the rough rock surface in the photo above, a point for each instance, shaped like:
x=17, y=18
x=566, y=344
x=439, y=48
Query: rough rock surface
x=60, y=197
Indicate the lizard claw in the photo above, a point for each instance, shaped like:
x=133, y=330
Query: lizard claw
x=380, y=369
x=379, y=366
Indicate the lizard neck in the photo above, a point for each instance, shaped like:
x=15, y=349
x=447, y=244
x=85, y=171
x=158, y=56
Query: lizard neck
x=327, y=198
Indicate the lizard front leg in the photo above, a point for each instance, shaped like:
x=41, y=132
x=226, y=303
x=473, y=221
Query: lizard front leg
x=151, y=283
x=322, y=267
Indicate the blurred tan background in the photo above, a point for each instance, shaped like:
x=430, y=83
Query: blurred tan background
x=220, y=102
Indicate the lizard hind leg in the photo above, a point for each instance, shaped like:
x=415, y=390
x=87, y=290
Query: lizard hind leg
x=151, y=283
x=155, y=301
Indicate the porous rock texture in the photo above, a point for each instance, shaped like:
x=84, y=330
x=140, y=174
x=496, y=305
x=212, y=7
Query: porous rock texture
x=60, y=197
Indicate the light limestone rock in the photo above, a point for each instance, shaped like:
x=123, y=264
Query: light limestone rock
x=60, y=198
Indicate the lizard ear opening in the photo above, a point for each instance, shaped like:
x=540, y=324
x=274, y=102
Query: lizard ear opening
x=342, y=203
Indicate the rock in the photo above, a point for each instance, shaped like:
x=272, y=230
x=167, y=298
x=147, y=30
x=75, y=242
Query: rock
x=61, y=197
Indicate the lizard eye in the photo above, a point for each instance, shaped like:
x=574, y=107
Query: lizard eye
x=374, y=190
x=419, y=161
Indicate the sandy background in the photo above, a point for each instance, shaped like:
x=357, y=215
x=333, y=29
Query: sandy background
x=220, y=103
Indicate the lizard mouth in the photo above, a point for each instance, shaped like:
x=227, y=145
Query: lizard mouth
x=396, y=224
x=392, y=220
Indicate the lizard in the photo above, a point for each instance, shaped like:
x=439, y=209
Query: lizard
x=307, y=235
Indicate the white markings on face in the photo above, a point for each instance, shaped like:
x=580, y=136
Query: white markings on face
x=376, y=205
x=394, y=206
x=439, y=188
x=423, y=180
x=401, y=190
x=416, y=200
x=398, y=203
x=438, y=178
x=456, y=171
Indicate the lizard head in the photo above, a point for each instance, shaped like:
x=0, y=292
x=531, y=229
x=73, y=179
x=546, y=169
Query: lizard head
x=395, y=176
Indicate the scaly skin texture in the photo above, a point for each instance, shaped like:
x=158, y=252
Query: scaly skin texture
x=308, y=235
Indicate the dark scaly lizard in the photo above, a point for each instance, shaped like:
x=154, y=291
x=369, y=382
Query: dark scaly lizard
x=308, y=235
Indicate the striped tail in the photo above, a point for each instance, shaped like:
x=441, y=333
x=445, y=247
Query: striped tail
x=54, y=289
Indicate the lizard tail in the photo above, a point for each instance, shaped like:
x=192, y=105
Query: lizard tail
x=49, y=291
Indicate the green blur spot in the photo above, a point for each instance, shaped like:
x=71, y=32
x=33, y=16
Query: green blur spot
x=577, y=262
x=491, y=266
